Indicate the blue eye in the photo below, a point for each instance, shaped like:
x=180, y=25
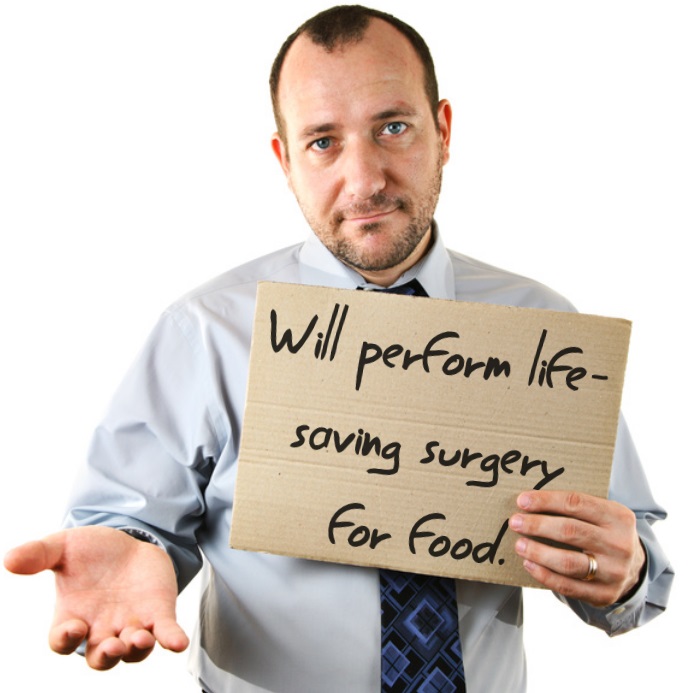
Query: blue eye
x=322, y=144
x=395, y=128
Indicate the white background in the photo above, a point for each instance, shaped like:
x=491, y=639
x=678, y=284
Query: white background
x=135, y=164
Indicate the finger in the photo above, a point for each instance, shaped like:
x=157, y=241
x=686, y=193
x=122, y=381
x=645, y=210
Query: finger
x=170, y=635
x=66, y=637
x=581, y=506
x=572, y=564
x=558, y=529
x=133, y=644
x=595, y=593
x=35, y=556
x=104, y=654
x=139, y=643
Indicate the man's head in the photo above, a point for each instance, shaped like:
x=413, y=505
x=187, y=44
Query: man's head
x=362, y=137
x=346, y=24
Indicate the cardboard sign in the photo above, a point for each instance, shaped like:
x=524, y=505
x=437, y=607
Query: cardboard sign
x=394, y=431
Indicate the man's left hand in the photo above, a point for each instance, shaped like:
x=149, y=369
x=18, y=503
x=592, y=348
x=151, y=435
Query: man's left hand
x=594, y=526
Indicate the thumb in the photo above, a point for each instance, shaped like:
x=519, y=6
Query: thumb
x=170, y=635
x=35, y=556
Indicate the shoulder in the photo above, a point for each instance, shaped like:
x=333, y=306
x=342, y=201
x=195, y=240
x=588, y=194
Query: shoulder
x=240, y=283
x=228, y=300
x=279, y=265
x=484, y=283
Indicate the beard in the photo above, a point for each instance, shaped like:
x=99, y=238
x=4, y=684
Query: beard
x=360, y=256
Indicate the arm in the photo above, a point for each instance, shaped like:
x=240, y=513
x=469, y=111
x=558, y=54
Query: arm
x=149, y=463
x=152, y=455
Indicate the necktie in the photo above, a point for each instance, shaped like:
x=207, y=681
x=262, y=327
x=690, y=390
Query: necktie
x=411, y=288
x=420, y=641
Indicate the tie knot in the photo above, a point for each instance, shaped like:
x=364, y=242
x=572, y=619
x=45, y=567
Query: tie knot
x=411, y=288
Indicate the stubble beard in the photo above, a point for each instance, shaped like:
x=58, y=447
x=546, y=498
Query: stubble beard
x=354, y=255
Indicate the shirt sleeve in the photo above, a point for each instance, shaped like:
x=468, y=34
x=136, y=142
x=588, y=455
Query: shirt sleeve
x=629, y=486
x=151, y=457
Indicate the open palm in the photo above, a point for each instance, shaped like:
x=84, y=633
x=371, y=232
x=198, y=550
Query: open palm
x=114, y=592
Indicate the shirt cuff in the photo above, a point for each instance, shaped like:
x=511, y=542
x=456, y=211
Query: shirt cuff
x=619, y=617
x=142, y=535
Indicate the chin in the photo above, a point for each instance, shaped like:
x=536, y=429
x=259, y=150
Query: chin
x=374, y=262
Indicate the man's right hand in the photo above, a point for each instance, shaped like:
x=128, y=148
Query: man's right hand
x=117, y=593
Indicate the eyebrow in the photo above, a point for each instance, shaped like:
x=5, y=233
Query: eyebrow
x=395, y=113
x=313, y=130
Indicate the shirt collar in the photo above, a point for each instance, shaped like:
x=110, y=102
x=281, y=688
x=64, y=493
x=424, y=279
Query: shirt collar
x=319, y=267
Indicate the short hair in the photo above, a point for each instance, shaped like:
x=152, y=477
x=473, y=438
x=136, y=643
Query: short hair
x=344, y=24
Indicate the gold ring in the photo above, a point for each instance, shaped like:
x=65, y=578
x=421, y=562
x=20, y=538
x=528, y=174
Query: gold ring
x=592, y=569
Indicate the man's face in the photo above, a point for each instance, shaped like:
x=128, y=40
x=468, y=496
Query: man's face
x=362, y=152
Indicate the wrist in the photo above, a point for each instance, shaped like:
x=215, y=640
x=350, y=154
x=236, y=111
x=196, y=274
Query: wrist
x=635, y=584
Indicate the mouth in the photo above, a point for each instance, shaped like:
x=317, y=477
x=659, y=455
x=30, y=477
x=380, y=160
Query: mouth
x=369, y=214
x=370, y=217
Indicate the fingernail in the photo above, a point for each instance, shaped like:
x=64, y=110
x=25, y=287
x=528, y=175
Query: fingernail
x=516, y=522
x=521, y=546
x=524, y=500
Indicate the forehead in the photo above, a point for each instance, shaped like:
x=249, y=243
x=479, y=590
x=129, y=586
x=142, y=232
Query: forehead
x=370, y=74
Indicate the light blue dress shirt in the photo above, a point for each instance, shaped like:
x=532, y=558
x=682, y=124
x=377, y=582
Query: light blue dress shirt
x=164, y=461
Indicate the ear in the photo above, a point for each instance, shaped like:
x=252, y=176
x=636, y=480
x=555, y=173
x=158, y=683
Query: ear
x=445, y=127
x=280, y=151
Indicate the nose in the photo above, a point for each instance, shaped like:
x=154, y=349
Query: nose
x=363, y=169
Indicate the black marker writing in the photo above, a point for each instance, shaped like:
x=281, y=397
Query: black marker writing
x=549, y=368
x=462, y=548
x=360, y=443
x=396, y=355
x=359, y=536
x=491, y=464
x=322, y=341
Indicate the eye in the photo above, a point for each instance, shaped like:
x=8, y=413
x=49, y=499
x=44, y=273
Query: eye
x=396, y=128
x=322, y=144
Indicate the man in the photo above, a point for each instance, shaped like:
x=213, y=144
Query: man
x=362, y=138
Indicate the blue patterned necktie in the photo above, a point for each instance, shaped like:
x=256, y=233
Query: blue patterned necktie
x=420, y=640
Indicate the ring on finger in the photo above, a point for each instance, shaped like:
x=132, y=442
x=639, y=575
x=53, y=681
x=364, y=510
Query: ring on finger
x=592, y=567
